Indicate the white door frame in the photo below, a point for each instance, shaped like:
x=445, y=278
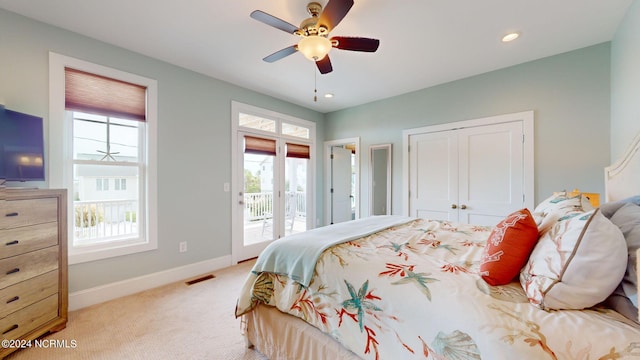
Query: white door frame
x=236, y=173
x=327, y=178
x=527, y=119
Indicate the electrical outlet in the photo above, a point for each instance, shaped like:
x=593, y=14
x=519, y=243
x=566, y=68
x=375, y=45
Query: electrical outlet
x=183, y=246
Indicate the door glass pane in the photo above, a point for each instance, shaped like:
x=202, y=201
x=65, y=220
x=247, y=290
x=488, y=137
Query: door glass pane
x=258, y=198
x=295, y=207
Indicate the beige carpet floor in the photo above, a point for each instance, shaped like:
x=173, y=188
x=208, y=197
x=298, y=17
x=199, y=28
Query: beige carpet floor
x=175, y=321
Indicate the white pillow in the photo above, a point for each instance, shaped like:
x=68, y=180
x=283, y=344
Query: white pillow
x=577, y=264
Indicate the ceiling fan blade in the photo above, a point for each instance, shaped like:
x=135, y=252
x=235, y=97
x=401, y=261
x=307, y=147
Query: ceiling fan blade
x=281, y=53
x=355, y=43
x=273, y=21
x=334, y=12
x=324, y=65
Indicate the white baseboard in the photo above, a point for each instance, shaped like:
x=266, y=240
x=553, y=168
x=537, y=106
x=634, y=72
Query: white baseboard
x=99, y=294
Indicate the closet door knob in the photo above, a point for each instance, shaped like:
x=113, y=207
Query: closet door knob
x=463, y=206
x=454, y=206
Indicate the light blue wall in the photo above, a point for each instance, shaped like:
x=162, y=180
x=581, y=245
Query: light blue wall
x=194, y=123
x=625, y=82
x=569, y=94
x=573, y=96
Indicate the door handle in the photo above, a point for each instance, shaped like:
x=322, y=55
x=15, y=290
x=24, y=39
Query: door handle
x=463, y=206
x=454, y=206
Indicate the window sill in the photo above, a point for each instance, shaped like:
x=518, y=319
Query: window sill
x=78, y=255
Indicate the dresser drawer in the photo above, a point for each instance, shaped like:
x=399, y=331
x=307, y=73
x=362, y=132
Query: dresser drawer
x=22, y=267
x=29, y=318
x=16, y=297
x=29, y=238
x=25, y=212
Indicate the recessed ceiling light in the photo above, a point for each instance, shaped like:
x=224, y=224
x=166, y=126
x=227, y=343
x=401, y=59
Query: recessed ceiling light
x=328, y=95
x=510, y=36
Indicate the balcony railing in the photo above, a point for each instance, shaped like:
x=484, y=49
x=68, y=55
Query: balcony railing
x=104, y=219
x=96, y=221
x=259, y=206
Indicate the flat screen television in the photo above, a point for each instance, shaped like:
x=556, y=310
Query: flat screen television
x=21, y=146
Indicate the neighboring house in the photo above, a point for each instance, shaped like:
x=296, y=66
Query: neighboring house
x=99, y=188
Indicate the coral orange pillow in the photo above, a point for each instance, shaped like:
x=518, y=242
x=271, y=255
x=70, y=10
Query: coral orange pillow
x=508, y=248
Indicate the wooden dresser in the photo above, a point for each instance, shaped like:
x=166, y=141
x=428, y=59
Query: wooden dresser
x=33, y=264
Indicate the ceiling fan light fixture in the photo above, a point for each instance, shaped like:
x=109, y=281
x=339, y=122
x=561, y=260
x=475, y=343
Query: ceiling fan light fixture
x=314, y=47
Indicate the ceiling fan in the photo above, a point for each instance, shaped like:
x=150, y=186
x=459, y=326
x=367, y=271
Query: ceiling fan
x=314, y=42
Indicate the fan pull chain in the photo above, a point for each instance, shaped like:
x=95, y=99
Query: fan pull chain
x=315, y=85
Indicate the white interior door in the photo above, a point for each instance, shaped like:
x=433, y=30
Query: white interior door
x=491, y=168
x=341, y=179
x=433, y=168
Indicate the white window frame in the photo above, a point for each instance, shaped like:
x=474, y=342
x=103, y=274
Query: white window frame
x=60, y=159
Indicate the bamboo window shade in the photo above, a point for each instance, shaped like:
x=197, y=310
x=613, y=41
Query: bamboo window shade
x=298, y=151
x=261, y=146
x=105, y=96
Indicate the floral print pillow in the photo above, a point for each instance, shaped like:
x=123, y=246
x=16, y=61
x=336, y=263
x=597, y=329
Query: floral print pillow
x=558, y=205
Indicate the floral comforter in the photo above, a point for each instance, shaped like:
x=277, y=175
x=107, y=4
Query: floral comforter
x=413, y=292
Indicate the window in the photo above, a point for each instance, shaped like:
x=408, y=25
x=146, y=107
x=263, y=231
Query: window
x=102, y=184
x=107, y=125
x=256, y=122
x=295, y=130
x=120, y=184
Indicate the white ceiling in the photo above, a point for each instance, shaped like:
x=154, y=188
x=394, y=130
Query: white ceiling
x=422, y=42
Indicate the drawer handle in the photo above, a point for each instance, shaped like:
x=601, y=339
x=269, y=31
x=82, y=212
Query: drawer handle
x=15, y=326
x=14, y=242
x=15, y=298
x=12, y=214
x=13, y=271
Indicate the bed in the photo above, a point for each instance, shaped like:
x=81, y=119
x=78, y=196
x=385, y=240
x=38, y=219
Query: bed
x=555, y=282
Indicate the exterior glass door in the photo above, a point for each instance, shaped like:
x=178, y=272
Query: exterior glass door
x=271, y=189
x=295, y=177
x=258, y=199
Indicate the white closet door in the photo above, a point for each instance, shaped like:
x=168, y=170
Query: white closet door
x=433, y=171
x=491, y=167
x=473, y=175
